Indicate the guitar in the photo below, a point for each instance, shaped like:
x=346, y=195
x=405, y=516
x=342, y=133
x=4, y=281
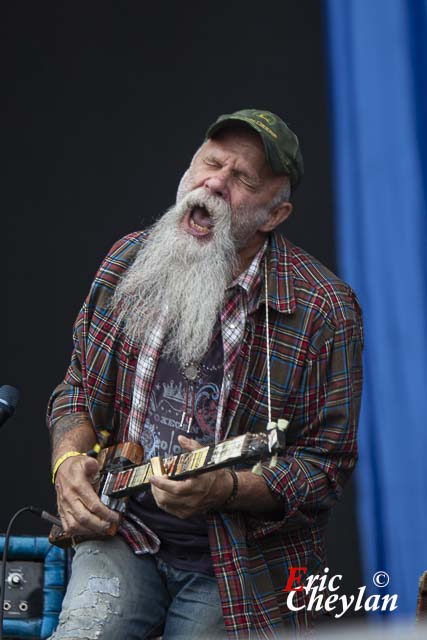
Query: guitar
x=122, y=473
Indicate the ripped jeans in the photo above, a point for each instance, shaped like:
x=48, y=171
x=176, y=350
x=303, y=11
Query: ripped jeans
x=114, y=594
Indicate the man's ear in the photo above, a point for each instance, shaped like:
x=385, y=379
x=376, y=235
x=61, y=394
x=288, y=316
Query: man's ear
x=275, y=217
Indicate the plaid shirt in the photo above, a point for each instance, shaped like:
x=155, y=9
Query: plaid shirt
x=315, y=357
x=242, y=297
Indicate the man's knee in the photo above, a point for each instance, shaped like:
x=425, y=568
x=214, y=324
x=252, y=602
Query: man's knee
x=106, y=594
x=94, y=613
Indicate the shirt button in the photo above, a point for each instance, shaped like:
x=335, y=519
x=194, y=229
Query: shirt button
x=232, y=325
x=150, y=358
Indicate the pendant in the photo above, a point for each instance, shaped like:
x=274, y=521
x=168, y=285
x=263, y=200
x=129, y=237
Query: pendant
x=191, y=371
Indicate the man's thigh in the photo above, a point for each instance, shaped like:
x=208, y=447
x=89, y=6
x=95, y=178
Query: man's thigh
x=112, y=594
x=195, y=611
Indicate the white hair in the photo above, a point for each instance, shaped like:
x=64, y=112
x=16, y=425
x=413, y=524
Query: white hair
x=283, y=195
x=179, y=280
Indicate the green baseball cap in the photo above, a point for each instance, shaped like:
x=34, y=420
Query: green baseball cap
x=280, y=143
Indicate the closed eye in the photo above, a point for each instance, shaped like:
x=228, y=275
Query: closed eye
x=212, y=163
x=247, y=184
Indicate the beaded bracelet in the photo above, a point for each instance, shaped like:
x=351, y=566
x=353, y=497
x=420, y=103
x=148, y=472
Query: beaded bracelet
x=63, y=458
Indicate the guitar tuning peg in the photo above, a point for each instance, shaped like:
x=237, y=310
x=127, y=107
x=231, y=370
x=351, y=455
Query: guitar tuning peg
x=271, y=425
x=276, y=434
x=273, y=461
x=257, y=469
x=282, y=424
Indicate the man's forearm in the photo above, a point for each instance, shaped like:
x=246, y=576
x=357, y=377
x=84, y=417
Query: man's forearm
x=211, y=491
x=80, y=509
x=72, y=433
x=254, y=495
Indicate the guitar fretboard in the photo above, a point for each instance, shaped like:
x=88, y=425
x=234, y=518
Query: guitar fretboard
x=248, y=447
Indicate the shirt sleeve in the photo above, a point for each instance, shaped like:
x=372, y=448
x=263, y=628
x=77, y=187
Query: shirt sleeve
x=71, y=396
x=322, y=449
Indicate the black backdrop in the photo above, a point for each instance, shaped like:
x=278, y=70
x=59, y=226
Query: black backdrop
x=103, y=108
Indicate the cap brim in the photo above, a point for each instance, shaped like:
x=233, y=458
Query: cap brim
x=234, y=121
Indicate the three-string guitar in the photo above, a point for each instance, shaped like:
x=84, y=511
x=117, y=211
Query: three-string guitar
x=121, y=472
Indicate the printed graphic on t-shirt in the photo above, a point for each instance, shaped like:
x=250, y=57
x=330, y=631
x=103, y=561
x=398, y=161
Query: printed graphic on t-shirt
x=171, y=395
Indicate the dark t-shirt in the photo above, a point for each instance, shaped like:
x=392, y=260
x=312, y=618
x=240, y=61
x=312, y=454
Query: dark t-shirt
x=184, y=542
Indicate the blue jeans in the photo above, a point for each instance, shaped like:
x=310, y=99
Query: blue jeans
x=115, y=595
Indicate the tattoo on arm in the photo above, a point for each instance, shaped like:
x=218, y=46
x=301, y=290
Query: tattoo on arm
x=77, y=428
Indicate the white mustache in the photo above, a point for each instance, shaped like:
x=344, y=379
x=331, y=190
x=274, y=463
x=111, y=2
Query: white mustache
x=216, y=207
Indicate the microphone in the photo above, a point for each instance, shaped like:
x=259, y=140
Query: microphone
x=8, y=400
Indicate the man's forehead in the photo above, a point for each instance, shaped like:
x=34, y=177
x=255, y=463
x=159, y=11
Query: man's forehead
x=238, y=133
x=241, y=140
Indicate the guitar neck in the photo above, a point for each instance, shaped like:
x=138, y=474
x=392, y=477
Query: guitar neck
x=246, y=448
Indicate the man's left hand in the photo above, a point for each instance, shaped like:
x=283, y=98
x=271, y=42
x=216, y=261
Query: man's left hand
x=201, y=493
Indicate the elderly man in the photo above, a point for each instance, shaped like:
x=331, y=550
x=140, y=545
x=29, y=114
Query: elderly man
x=171, y=348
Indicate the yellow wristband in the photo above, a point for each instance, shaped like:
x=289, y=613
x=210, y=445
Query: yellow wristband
x=63, y=458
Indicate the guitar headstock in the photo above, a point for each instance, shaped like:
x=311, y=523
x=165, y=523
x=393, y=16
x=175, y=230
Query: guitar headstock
x=276, y=433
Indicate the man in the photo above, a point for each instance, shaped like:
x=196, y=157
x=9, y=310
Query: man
x=171, y=344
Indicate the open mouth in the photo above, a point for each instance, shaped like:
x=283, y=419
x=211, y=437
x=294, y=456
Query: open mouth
x=198, y=221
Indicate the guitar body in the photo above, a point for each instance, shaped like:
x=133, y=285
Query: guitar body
x=118, y=456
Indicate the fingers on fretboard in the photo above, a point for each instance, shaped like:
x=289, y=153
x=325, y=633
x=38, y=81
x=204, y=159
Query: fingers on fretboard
x=228, y=452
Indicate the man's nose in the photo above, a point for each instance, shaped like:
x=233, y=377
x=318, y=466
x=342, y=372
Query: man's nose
x=217, y=185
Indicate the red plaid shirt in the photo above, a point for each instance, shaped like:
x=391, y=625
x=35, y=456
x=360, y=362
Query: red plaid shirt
x=315, y=344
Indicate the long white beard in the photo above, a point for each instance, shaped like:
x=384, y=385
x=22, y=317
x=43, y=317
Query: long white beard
x=180, y=279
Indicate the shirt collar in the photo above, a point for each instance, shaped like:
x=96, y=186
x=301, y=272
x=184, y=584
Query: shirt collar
x=281, y=295
x=249, y=279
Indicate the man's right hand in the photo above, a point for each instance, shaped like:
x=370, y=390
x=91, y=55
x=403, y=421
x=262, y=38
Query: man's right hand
x=81, y=510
